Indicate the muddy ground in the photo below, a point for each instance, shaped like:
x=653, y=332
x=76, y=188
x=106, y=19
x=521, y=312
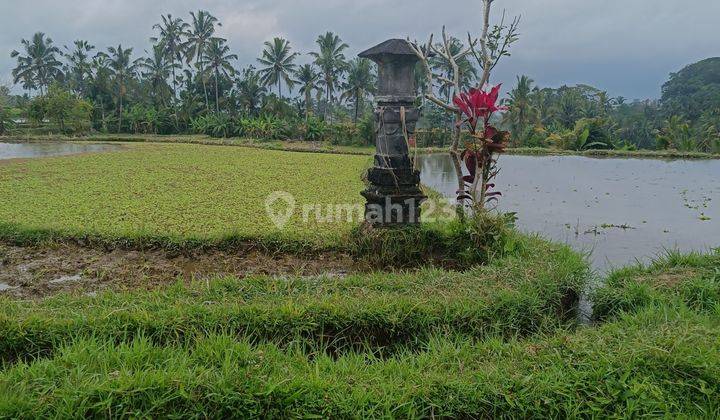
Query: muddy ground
x=36, y=272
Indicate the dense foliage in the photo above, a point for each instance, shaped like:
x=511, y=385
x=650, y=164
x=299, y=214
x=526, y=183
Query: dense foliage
x=582, y=117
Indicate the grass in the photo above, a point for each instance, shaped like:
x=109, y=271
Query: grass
x=518, y=295
x=657, y=362
x=162, y=354
x=176, y=194
x=692, y=279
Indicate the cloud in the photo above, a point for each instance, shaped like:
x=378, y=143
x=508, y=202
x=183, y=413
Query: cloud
x=626, y=47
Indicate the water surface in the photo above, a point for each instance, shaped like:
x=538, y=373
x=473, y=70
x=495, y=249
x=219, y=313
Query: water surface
x=34, y=150
x=620, y=210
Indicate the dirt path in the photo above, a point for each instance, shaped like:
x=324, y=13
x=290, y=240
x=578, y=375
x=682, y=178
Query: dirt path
x=36, y=272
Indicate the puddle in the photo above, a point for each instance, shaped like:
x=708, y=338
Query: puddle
x=44, y=149
x=66, y=279
x=5, y=286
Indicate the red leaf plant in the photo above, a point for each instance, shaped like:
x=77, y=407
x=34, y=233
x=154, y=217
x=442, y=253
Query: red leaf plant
x=480, y=153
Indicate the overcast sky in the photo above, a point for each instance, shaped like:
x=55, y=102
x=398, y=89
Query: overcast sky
x=627, y=47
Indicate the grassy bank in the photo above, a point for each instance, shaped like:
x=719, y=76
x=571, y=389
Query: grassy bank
x=323, y=147
x=646, y=360
x=633, y=367
x=521, y=294
x=692, y=280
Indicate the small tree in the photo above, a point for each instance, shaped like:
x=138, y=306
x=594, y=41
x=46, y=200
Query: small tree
x=486, y=141
x=68, y=112
x=58, y=105
x=37, y=110
x=488, y=49
x=5, y=120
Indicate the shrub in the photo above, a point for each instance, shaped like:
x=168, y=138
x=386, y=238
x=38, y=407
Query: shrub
x=368, y=128
x=433, y=137
x=345, y=134
x=313, y=129
x=457, y=244
x=266, y=127
x=37, y=111
x=6, y=122
x=588, y=134
x=69, y=114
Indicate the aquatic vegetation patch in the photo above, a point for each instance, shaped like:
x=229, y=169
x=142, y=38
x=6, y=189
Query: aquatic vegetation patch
x=176, y=194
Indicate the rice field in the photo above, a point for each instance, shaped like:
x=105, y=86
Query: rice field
x=179, y=192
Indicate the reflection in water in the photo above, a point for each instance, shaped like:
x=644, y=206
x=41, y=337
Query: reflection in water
x=33, y=150
x=620, y=210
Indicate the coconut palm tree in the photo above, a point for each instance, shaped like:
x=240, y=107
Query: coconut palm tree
x=39, y=66
x=520, y=107
x=79, y=66
x=157, y=70
x=173, y=32
x=100, y=85
x=198, y=39
x=217, y=59
x=278, y=60
x=122, y=69
x=360, y=83
x=308, y=77
x=250, y=90
x=331, y=61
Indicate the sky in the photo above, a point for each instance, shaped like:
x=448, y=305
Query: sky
x=627, y=47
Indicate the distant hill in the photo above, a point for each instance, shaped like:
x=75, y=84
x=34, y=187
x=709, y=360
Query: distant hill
x=693, y=90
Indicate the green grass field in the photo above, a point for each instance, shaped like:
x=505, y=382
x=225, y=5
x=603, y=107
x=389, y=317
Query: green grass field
x=176, y=192
x=494, y=340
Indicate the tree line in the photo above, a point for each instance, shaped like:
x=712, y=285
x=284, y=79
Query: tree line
x=188, y=81
x=686, y=118
x=188, y=73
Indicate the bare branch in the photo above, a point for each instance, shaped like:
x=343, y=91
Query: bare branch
x=424, y=55
x=494, y=44
x=453, y=63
